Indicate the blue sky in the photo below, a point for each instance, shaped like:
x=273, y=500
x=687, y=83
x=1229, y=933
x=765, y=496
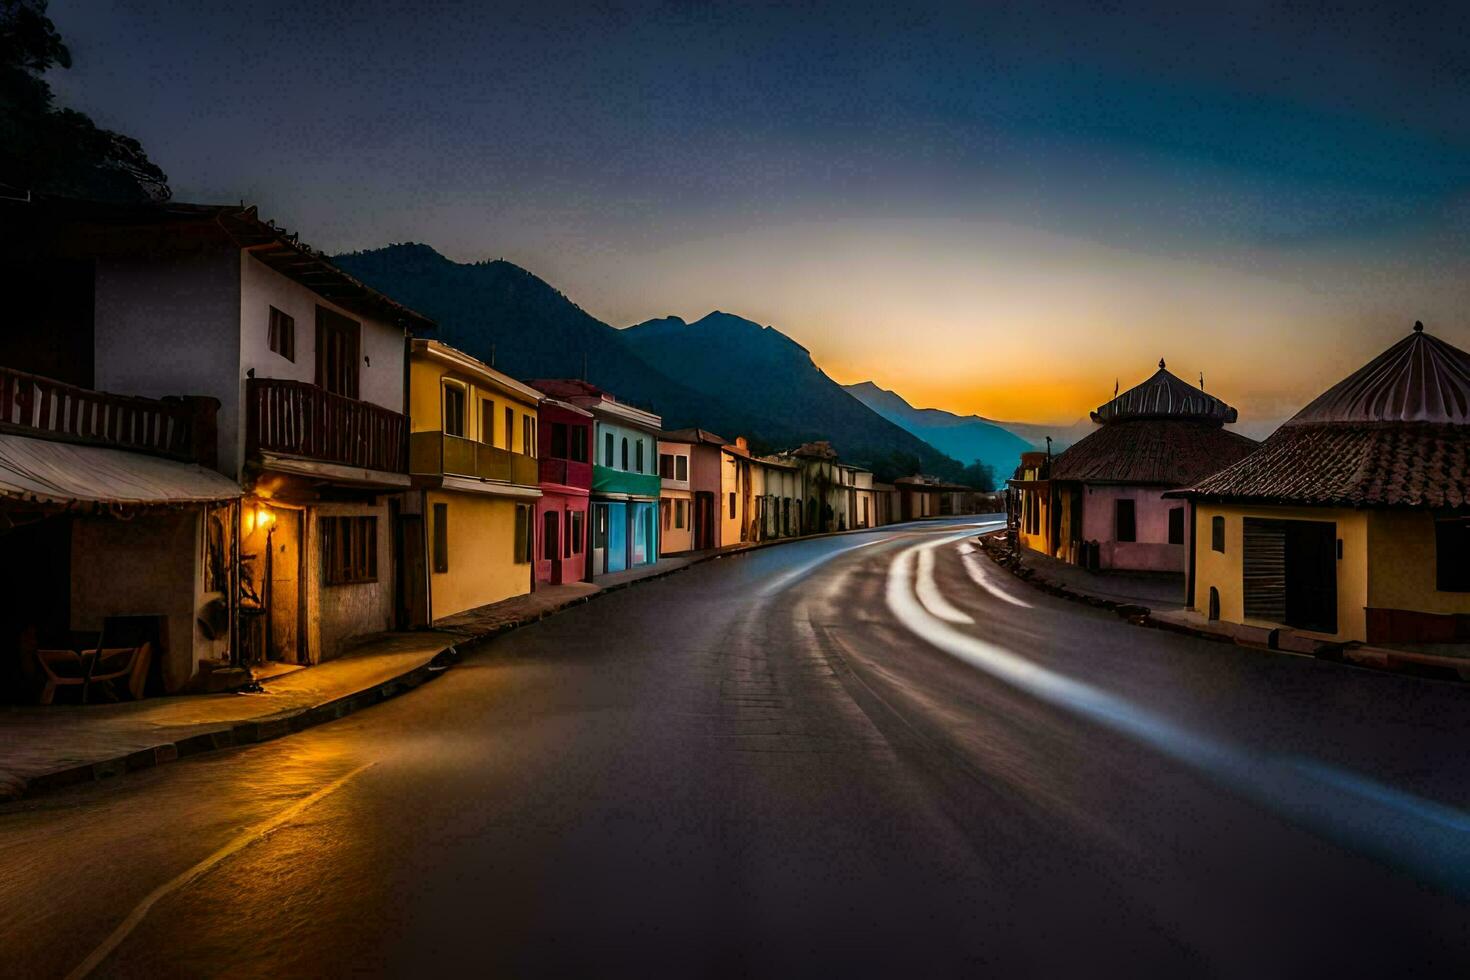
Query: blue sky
x=990, y=208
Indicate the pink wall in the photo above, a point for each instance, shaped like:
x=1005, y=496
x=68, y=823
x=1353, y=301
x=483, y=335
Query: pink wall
x=559, y=568
x=1152, y=551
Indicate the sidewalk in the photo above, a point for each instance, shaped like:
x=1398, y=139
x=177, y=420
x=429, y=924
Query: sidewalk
x=1156, y=600
x=50, y=747
x=53, y=746
x=1155, y=591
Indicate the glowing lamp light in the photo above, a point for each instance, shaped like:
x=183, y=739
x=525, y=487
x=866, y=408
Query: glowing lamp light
x=264, y=516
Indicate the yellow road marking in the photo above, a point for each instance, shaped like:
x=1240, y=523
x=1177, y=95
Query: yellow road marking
x=233, y=847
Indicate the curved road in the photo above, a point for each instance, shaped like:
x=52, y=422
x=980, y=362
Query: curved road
x=874, y=754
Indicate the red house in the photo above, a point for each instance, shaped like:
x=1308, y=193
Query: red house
x=565, y=436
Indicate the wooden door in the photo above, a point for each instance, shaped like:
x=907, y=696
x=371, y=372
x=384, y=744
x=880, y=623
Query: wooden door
x=338, y=352
x=1311, y=576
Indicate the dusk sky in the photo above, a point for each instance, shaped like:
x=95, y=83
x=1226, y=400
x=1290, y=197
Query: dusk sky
x=997, y=210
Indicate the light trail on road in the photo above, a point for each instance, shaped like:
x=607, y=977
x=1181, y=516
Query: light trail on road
x=1429, y=839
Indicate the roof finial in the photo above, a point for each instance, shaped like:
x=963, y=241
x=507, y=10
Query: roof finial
x=1161, y=364
x=1202, y=381
x=1115, y=387
x=1418, y=326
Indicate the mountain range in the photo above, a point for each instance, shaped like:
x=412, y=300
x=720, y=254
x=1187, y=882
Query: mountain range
x=722, y=372
x=968, y=437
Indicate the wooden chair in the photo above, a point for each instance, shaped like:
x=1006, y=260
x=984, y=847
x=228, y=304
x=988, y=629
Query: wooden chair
x=69, y=668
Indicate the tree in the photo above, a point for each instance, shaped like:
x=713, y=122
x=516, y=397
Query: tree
x=979, y=475
x=58, y=150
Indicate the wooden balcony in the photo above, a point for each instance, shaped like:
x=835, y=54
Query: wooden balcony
x=566, y=472
x=179, y=428
x=293, y=418
x=439, y=454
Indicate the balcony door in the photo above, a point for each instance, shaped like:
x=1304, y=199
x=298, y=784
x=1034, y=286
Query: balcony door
x=338, y=352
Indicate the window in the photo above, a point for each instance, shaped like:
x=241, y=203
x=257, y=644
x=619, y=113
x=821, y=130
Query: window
x=441, y=538
x=1125, y=521
x=551, y=535
x=666, y=465
x=453, y=409
x=666, y=513
x=487, y=422
x=1217, y=534
x=525, y=542
x=1452, y=555
x=681, y=467
x=338, y=352
x=678, y=513
x=607, y=450
x=349, y=550
x=579, y=444
x=639, y=467
x=732, y=503
x=528, y=435
x=282, y=334
x=574, y=536
x=1176, y=525
x=558, y=440
x=625, y=454
x=510, y=429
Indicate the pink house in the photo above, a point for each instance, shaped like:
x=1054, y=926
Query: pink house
x=1107, y=490
x=565, y=441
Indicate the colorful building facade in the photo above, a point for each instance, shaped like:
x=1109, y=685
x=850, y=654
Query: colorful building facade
x=1351, y=522
x=563, y=533
x=1108, y=488
x=625, y=481
x=676, y=497
x=472, y=456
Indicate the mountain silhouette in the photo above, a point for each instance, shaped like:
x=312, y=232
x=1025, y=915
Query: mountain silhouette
x=966, y=437
x=738, y=358
x=734, y=378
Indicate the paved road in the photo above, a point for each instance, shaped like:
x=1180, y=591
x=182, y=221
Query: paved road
x=872, y=754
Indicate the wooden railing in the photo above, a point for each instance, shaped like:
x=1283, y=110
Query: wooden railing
x=566, y=472
x=294, y=418
x=435, y=453
x=181, y=428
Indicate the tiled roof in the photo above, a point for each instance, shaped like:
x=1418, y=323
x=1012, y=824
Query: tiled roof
x=1164, y=396
x=1402, y=464
x=1156, y=451
x=1394, y=434
x=1419, y=379
x=243, y=227
x=692, y=436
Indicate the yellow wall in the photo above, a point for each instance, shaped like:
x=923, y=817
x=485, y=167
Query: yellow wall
x=1402, y=572
x=672, y=539
x=482, y=567
x=1030, y=499
x=426, y=404
x=1225, y=571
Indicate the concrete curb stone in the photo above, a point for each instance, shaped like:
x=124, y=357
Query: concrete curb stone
x=256, y=731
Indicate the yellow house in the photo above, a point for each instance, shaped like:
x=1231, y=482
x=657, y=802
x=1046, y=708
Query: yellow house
x=1030, y=500
x=472, y=456
x=1352, y=521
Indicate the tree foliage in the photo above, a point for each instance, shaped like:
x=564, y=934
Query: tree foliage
x=980, y=476
x=54, y=149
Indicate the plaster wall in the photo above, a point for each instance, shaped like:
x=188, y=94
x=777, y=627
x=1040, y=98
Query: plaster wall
x=1151, y=551
x=482, y=561
x=1225, y=571
x=337, y=614
x=151, y=565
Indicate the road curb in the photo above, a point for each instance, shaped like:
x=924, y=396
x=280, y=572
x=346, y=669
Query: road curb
x=1347, y=654
x=256, y=731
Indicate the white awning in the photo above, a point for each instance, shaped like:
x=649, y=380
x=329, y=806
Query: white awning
x=69, y=473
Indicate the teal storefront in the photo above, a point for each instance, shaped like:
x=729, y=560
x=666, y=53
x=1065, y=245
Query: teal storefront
x=624, y=520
